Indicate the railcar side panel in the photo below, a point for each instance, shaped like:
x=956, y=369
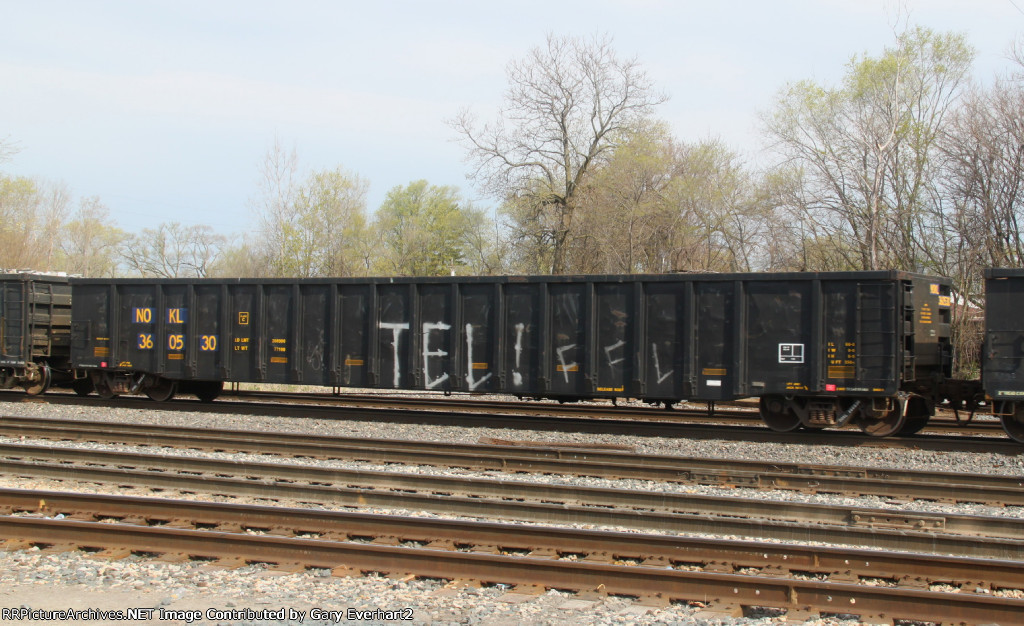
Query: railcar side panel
x=615, y=356
x=433, y=339
x=478, y=364
x=394, y=337
x=523, y=361
x=879, y=336
x=1002, y=372
x=778, y=336
x=173, y=329
x=278, y=321
x=661, y=338
x=242, y=343
x=1003, y=354
x=841, y=321
x=717, y=328
x=567, y=339
x=353, y=339
x=204, y=349
x=136, y=336
x=665, y=342
x=311, y=348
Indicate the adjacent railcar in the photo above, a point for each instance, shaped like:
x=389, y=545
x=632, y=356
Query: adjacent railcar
x=819, y=349
x=1002, y=367
x=35, y=330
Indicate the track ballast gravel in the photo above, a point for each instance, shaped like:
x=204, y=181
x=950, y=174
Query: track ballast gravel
x=42, y=580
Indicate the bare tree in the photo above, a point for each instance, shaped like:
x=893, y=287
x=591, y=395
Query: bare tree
x=865, y=152
x=275, y=206
x=984, y=152
x=7, y=149
x=567, y=105
x=980, y=222
x=661, y=205
x=173, y=250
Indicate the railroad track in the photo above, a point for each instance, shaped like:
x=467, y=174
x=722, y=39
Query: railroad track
x=998, y=443
x=734, y=574
x=993, y=537
x=743, y=412
x=539, y=459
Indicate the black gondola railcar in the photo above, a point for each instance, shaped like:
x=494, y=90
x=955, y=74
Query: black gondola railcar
x=1002, y=366
x=35, y=330
x=818, y=349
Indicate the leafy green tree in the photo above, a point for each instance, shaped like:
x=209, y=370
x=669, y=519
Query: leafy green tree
x=242, y=257
x=90, y=242
x=313, y=227
x=19, y=200
x=31, y=216
x=625, y=221
x=716, y=223
x=425, y=230
x=661, y=205
x=328, y=234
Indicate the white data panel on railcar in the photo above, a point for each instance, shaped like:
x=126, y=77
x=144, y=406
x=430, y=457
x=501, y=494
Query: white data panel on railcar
x=791, y=353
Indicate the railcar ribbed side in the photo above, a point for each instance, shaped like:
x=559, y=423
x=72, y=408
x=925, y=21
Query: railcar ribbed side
x=818, y=349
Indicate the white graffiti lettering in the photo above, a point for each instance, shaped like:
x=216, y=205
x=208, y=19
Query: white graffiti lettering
x=396, y=329
x=608, y=352
x=561, y=359
x=473, y=383
x=657, y=366
x=517, y=377
x=427, y=328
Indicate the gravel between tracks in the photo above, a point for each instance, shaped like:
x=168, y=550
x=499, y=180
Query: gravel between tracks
x=43, y=580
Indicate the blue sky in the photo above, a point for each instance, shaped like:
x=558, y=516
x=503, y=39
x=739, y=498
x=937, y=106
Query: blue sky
x=165, y=109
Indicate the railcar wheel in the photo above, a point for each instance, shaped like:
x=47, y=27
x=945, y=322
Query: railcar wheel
x=913, y=425
x=917, y=416
x=888, y=424
x=163, y=391
x=82, y=387
x=777, y=416
x=1013, y=423
x=103, y=389
x=41, y=385
x=207, y=391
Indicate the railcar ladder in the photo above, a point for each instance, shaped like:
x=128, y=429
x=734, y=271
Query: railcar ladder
x=12, y=339
x=40, y=329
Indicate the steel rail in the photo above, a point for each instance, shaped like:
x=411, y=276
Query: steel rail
x=939, y=486
x=791, y=521
x=741, y=411
x=595, y=545
x=844, y=438
x=589, y=409
x=868, y=602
